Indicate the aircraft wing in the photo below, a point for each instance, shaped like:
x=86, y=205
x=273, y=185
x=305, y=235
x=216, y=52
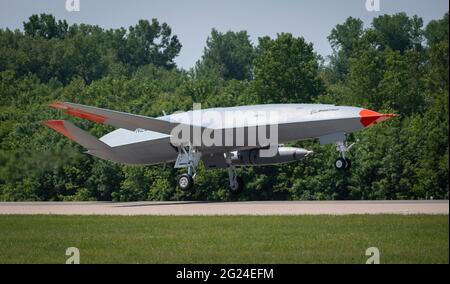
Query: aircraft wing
x=94, y=146
x=145, y=149
x=115, y=118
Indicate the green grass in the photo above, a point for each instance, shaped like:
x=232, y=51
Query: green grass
x=220, y=239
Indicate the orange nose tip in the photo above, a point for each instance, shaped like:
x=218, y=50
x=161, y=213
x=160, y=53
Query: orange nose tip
x=370, y=117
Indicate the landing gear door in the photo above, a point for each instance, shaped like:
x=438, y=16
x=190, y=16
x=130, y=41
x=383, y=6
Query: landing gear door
x=214, y=161
x=332, y=138
x=183, y=159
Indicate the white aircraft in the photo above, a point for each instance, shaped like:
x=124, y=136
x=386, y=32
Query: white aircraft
x=238, y=135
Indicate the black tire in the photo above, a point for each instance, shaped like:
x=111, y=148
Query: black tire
x=240, y=185
x=340, y=164
x=185, y=182
x=348, y=164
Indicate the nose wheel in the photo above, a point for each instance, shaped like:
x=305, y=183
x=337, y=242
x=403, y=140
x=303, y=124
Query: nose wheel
x=342, y=163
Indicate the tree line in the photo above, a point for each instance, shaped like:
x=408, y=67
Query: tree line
x=395, y=65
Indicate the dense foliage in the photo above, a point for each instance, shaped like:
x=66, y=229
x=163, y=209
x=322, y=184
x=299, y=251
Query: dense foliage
x=395, y=65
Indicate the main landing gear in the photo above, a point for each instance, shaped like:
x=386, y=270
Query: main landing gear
x=236, y=182
x=188, y=158
x=342, y=163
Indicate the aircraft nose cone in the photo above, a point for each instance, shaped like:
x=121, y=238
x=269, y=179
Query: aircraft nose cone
x=370, y=117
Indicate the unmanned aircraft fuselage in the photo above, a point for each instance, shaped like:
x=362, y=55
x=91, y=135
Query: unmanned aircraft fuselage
x=220, y=137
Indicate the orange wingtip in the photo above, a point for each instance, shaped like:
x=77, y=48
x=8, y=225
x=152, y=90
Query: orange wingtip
x=58, y=105
x=86, y=115
x=370, y=117
x=78, y=113
x=58, y=126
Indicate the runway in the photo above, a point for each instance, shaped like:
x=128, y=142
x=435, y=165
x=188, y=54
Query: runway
x=193, y=208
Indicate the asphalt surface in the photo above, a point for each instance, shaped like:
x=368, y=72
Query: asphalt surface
x=227, y=208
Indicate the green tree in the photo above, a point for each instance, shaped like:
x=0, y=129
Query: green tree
x=45, y=25
x=345, y=40
x=398, y=32
x=437, y=31
x=286, y=70
x=150, y=43
x=229, y=55
x=134, y=186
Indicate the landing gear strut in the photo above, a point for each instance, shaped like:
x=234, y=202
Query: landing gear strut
x=187, y=158
x=236, y=182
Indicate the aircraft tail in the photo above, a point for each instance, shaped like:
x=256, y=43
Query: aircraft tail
x=94, y=146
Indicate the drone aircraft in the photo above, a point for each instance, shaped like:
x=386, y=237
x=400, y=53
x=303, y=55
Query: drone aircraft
x=226, y=137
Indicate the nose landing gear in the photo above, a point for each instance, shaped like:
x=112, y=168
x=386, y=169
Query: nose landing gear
x=342, y=163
